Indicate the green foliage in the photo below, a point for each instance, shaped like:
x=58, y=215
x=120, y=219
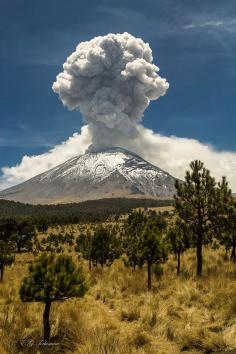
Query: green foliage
x=74, y=213
x=83, y=245
x=24, y=235
x=152, y=244
x=144, y=240
x=52, y=278
x=6, y=255
x=199, y=203
x=195, y=200
x=158, y=219
x=133, y=227
x=42, y=225
x=141, y=235
x=7, y=248
x=180, y=238
x=7, y=228
x=102, y=246
x=227, y=228
x=21, y=232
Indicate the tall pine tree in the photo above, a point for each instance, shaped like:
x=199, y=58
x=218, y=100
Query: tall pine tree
x=199, y=202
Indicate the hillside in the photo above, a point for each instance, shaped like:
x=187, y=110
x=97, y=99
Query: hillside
x=111, y=173
x=92, y=210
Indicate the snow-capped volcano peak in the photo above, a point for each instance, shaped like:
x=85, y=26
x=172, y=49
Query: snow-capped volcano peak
x=110, y=172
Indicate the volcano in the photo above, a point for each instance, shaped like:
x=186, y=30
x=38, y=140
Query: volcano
x=113, y=172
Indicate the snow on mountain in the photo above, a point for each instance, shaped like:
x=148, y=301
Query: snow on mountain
x=113, y=172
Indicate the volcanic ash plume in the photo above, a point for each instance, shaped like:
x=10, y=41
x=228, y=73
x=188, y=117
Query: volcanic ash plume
x=111, y=80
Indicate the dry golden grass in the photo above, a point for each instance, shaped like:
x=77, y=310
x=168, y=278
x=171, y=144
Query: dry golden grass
x=119, y=316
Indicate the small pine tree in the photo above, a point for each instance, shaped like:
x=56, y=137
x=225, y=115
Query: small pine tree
x=232, y=232
x=227, y=234
x=24, y=235
x=6, y=256
x=179, y=238
x=152, y=248
x=131, y=248
x=42, y=225
x=52, y=278
x=83, y=246
x=132, y=233
x=143, y=241
x=103, y=246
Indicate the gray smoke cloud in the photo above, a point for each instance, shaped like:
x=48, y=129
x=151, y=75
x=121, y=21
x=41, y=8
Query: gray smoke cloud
x=111, y=79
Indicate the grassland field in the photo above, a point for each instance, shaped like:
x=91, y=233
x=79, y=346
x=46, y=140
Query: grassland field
x=118, y=315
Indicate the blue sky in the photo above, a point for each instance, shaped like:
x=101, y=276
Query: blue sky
x=193, y=43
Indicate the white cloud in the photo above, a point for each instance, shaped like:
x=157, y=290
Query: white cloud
x=204, y=24
x=227, y=24
x=30, y=166
x=172, y=154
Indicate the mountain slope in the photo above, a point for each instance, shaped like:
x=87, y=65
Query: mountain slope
x=110, y=173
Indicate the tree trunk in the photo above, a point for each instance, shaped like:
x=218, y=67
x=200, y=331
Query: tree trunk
x=149, y=275
x=18, y=246
x=199, y=255
x=140, y=264
x=46, y=323
x=90, y=265
x=178, y=263
x=233, y=253
x=1, y=272
x=226, y=251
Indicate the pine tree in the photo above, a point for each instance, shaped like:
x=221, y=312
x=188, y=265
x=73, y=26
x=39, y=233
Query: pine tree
x=42, y=225
x=144, y=242
x=7, y=228
x=227, y=229
x=83, y=246
x=232, y=231
x=104, y=246
x=131, y=248
x=24, y=235
x=152, y=248
x=6, y=255
x=132, y=234
x=199, y=203
x=179, y=237
x=52, y=278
